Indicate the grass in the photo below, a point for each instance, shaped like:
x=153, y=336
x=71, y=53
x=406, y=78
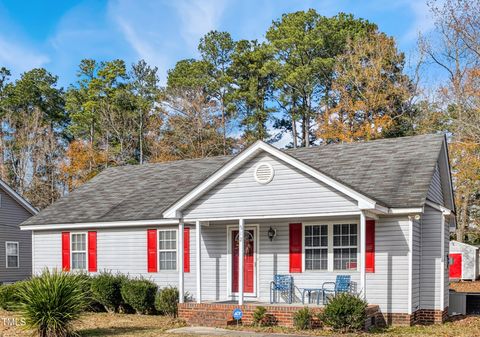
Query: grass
x=121, y=325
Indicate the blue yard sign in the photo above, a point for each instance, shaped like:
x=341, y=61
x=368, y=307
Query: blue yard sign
x=237, y=314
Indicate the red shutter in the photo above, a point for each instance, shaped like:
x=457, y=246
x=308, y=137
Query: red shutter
x=66, y=251
x=370, y=246
x=92, y=251
x=295, y=247
x=152, y=250
x=186, y=249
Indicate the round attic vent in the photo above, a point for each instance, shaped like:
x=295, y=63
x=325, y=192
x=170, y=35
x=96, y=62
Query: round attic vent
x=264, y=173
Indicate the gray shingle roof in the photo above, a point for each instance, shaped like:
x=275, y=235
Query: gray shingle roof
x=394, y=172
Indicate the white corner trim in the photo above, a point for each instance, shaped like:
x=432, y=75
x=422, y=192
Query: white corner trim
x=410, y=265
x=173, y=211
x=442, y=264
x=10, y=191
x=102, y=224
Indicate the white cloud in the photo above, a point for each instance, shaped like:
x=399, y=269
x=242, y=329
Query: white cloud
x=423, y=20
x=18, y=57
x=198, y=17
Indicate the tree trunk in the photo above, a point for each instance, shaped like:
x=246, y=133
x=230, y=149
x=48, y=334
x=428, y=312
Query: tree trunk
x=463, y=218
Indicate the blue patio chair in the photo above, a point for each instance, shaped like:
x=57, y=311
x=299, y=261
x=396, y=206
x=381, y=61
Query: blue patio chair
x=282, y=284
x=342, y=284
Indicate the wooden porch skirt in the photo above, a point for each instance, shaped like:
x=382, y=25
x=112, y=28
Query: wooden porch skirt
x=220, y=314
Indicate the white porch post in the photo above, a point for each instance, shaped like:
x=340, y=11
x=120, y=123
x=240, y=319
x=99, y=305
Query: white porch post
x=363, y=242
x=241, y=247
x=198, y=235
x=181, y=226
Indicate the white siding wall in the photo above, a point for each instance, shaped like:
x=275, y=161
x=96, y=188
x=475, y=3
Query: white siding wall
x=446, y=254
x=124, y=250
x=435, y=192
x=431, y=256
x=388, y=286
x=289, y=191
x=416, y=264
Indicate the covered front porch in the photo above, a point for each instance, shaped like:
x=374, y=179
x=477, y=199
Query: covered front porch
x=234, y=261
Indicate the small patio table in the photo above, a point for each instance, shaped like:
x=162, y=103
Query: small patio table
x=309, y=292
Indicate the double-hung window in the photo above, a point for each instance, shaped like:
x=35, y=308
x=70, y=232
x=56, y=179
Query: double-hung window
x=316, y=247
x=167, y=249
x=79, y=251
x=345, y=246
x=12, y=254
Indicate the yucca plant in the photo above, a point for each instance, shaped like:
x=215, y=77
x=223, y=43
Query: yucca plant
x=51, y=302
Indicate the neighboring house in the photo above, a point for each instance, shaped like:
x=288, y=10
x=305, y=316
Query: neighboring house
x=15, y=245
x=379, y=211
x=463, y=261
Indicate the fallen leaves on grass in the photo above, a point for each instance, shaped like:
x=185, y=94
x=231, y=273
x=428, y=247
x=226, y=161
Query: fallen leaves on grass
x=466, y=286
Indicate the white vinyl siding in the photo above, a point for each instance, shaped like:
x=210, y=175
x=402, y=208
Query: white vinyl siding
x=431, y=254
x=416, y=260
x=290, y=192
x=388, y=286
x=124, y=250
x=435, y=192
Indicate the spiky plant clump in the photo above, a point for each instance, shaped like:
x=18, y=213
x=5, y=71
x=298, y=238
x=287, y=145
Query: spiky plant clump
x=52, y=302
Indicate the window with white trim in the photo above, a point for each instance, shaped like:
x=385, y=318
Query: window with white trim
x=316, y=247
x=167, y=249
x=345, y=241
x=79, y=251
x=12, y=254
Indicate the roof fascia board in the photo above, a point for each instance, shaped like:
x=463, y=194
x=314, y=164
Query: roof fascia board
x=10, y=191
x=449, y=173
x=413, y=210
x=136, y=223
x=174, y=210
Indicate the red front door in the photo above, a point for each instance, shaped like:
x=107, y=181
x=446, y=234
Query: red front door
x=248, y=261
x=455, y=265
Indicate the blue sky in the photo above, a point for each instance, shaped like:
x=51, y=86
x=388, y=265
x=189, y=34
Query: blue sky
x=58, y=34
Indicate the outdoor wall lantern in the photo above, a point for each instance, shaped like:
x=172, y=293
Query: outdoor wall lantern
x=271, y=233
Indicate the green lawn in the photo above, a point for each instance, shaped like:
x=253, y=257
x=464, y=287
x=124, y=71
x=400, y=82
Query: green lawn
x=111, y=325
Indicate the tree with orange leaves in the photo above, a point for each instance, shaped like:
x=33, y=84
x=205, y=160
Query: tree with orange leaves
x=371, y=92
x=82, y=163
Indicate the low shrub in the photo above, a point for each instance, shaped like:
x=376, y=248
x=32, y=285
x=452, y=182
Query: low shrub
x=51, y=302
x=166, y=301
x=9, y=296
x=259, y=315
x=302, y=319
x=106, y=290
x=140, y=295
x=262, y=318
x=345, y=312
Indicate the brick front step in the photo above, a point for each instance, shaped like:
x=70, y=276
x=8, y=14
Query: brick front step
x=220, y=314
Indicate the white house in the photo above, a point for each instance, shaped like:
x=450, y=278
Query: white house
x=463, y=261
x=221, y=228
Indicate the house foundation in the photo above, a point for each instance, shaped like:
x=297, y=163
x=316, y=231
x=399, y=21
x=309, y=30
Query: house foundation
x=220, y=314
